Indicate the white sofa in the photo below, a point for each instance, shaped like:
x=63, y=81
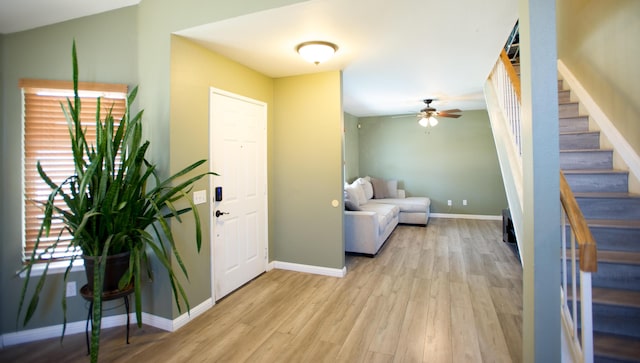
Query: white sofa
x=373, y=209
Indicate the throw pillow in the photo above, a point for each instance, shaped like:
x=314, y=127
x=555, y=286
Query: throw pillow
x=392, y=188
x=379, y=188
x=359, y=193
x=350, y=204
x=367, y=187
x=350, y=192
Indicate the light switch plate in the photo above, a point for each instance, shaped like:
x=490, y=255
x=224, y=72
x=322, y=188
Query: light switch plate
x=200, y=196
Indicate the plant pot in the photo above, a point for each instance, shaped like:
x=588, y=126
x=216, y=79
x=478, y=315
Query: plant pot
x=116, y=267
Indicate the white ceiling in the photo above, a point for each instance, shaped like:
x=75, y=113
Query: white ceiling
x=393, y=54
x=18, y=15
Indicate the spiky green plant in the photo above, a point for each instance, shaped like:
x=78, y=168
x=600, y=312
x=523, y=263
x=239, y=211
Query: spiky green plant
x=113, y=206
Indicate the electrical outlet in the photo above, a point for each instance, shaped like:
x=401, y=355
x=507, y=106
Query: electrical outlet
x=449, y=203
x=71, y=289
x=200, y=197
x=464, y=202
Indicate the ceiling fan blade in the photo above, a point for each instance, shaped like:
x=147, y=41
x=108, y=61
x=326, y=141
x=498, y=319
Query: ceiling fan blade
x=444, y=114
x=454, y=110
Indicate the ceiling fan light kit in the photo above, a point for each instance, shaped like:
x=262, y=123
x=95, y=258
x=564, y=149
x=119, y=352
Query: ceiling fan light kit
x=426, y=116
x=428, y=121
x=316, y=51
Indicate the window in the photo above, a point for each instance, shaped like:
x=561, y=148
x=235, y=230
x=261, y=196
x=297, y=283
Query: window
x=46, y=139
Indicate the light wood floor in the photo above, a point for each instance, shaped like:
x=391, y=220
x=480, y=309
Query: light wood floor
x=451, y=292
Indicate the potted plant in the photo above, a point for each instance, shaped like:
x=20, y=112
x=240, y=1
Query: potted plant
x=114, y=204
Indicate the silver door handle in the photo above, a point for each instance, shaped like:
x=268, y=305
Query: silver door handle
x=218, y=213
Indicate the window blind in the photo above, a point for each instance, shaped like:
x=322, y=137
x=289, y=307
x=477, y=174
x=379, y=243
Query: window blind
x=46, y=139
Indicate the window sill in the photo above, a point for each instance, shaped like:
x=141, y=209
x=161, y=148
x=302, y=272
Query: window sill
x=58, y=267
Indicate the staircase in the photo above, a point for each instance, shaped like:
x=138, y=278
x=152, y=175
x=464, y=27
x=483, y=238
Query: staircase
x=613, y=215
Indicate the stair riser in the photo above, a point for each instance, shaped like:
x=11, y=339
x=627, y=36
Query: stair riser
x=568, y=110
x=611, y=319
x=574, y=124
x=614, y=182
x=617, y=239
x=610, y=208
x=616, y=276
x=601, y=359
x=589, y=140
x=586, y=160
x=564, y=96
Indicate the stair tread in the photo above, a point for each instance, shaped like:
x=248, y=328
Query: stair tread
x=613, y=256
x=614, y=223
x=594, y=171
x=572, y=117
x=579, y=116
x=568, y=103
x=578, y=132
x=623, y=257
x=608, y=195
x=616, y=346
x=616, y=297
x=585, y=150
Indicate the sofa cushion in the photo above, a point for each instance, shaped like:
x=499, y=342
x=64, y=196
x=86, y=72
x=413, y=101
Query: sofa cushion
x=392, y=188
x=385, y=213
x=357, y=191
x=352, y=194
x=410, y=204
x=350, y=203
x=379, y=188
x=366, y=186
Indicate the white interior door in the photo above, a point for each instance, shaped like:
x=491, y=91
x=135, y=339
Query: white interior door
x=238, y=152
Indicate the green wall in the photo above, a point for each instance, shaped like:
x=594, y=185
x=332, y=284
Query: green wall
x=142, y=53
x=45, y=53
x=351, y=148
x=157, y=20
x=307, y=171
x=193, y=70
x=454, y=160
x=598, y=41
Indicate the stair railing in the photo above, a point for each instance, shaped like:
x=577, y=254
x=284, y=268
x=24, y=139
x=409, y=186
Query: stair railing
x=581, y=239
x=507, y=85
x=576, y=272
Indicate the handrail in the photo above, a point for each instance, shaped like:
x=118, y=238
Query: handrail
x=507, y=85
x=584, y=238
x=511, y=72
x=579, y=250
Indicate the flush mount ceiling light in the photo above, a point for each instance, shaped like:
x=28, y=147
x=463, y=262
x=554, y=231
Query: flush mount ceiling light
x=316, y=51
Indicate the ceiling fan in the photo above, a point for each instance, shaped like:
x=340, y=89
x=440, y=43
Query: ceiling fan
x=426, y=117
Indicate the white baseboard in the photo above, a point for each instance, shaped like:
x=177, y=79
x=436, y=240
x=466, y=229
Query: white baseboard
x=185, y=318
x=318, y=270
x=466, y=216
x=54, y=331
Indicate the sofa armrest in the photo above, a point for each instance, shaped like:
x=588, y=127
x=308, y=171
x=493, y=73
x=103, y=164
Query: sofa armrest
x=361, y=219
x=360, y=227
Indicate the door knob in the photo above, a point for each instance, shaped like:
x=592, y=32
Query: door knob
x=218, y=213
